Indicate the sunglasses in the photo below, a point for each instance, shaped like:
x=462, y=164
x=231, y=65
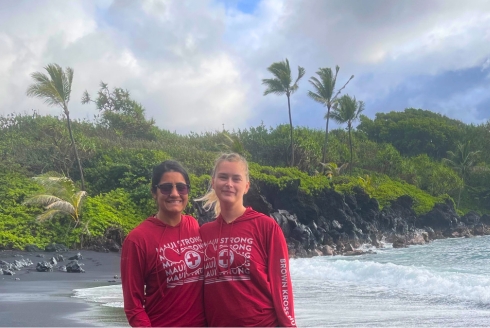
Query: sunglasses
x=166, y=188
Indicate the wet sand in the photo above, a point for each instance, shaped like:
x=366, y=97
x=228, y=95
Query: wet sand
x=44, y=299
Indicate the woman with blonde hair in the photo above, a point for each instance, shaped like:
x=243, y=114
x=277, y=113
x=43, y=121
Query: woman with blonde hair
x=246, y=262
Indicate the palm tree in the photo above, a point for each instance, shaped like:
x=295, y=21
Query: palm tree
x=463, y=162
x=332, y=169
x=55, y=89
x=348, y=111
x=61, y=198
x=282, y=84
x=325, y=94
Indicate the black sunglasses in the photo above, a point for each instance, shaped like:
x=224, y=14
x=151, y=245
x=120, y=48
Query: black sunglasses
x=166, y=188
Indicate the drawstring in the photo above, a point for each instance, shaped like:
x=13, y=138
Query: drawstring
x=229, y=249
x=180, y=239
x=180, y=245
x=220, y=218
x=157, y=262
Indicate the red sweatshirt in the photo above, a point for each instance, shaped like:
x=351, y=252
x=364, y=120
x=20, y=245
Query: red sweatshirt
x=169, y=261
x=246, y=269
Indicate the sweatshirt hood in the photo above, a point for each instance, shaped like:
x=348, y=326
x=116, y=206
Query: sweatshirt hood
x=160, y=223
x=248, y=215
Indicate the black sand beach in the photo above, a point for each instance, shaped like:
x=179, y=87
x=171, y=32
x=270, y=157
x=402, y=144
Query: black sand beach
x=43, y=299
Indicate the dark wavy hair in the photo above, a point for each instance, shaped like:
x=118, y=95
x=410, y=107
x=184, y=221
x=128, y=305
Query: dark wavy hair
x=164, y=167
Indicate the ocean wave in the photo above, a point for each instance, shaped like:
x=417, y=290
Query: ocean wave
x=452, y=286
x=110, y=296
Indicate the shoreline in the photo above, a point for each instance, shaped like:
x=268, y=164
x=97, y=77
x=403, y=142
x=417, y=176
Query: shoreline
x=45, y=299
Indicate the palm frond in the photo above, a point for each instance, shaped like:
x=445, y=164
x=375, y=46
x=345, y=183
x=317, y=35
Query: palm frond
x=317, y=97
x=273, y=86
x=42, y=200
x=48, y=215
x=324, y=86
x=62, y=206
x=301, y=73
x=54, y=88
x=45, y=89
x=77, y=202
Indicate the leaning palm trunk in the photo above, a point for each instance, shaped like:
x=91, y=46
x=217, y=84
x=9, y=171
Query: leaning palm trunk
x=459, y=194
x=350, y=145
x=324, y=157
x=75, y=148
x=291, y=133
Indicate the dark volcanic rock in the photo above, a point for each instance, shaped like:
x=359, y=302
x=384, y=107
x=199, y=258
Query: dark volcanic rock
x=260, y=203
x=485, y=219
x=329, y=223
x=399, y=242
x=441, y=217
x=479, y=230
x=44, y=267
x=32, y=248
x=399, y=217
x=471, y=218
x=74, y=266
x=111, y=241
x=56, y=248
x=112, y=246
x=203, y=216
x=76, y=257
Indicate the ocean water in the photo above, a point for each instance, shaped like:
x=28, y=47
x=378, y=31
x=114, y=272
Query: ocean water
x=443, y=284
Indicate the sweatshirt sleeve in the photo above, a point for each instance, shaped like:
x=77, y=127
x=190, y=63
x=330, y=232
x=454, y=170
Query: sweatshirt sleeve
x=133, y=281
x=280, y=279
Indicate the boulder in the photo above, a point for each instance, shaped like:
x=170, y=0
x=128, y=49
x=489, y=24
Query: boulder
x=75, y=267
x=44, y=267
x=76, y=257
x=479, y=230
x=399, y=242
x=315, y=252
x=326, y=250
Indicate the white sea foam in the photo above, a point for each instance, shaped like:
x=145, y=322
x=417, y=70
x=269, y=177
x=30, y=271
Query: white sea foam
x=106, y=295
x=411, y=279
x=443, y=284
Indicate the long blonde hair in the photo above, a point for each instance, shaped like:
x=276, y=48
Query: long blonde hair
x=210, y=199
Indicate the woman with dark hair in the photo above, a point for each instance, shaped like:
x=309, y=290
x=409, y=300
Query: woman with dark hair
x=162, y=258
x=246, y=262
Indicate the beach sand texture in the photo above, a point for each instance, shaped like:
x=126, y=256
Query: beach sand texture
x=43, y=299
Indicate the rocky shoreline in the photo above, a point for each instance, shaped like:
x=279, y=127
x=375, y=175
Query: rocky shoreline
x=334, y=224
x=331, y=223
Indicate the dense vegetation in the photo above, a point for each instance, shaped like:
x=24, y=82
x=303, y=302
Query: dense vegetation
x=415, y=152
x=117, y=167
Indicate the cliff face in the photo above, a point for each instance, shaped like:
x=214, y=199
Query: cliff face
x=330, y=223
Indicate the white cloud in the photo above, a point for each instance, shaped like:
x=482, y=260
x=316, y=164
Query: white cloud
x=197, y=64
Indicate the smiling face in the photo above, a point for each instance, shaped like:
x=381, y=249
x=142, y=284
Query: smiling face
x=174, y=203
x=230, y=183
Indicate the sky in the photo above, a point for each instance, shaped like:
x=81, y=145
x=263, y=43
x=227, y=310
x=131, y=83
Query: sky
x=196, y=65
